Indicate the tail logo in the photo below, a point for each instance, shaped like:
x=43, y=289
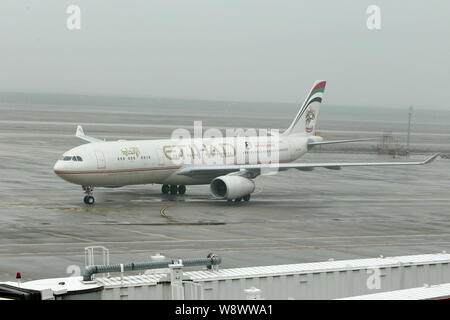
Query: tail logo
x=307, y=116
x=310, y=116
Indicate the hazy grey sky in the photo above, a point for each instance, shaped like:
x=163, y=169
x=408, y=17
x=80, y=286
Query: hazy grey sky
x=243, y=50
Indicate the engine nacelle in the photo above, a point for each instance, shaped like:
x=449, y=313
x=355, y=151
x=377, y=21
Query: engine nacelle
x=231, y=187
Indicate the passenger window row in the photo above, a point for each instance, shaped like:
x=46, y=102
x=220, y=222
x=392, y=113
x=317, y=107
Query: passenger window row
x=133, y=158
x=125, y=158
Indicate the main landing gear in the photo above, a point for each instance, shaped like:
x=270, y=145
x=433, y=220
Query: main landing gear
x=88, y=198
x=173, y=189
x=245, y=198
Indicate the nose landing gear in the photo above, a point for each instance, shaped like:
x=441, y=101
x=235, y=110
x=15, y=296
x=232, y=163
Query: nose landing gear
x=88, y=198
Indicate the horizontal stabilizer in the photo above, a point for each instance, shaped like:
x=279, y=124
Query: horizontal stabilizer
x=316, y=143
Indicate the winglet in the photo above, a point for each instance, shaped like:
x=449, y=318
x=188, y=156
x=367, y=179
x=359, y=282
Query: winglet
x=80, y=134
x=431, y=158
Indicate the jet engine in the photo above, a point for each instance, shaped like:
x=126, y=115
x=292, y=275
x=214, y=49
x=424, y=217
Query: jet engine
x=232, y=187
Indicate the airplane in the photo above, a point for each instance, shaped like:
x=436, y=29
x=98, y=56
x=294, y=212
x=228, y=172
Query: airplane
x=114, y=164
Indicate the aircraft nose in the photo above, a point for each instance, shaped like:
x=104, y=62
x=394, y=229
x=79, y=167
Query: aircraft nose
x=57, y=167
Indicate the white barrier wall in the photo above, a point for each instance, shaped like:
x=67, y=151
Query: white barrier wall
x=326, y=280
x=319, y=280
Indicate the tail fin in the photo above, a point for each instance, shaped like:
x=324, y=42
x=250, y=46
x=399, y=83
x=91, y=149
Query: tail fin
x=305, y=121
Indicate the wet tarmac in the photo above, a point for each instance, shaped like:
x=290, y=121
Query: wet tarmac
x=293, y=216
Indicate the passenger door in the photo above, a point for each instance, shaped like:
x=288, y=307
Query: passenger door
x=101, y=162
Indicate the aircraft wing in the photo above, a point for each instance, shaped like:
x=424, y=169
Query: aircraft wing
x=80, y=134
x=255, y=168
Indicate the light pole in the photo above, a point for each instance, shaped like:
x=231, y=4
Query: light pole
x=409, y=129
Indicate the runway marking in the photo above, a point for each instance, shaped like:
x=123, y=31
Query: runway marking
x=274, y=240
x=289, y=230
x=221, y=240
x=62, y=235
x=158, y=125
x=157, y=224
x=18, y=205
x=147, y=234
x=253, y=248
x=162, y=212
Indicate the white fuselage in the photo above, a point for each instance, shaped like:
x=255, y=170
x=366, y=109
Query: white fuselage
x=121, y=163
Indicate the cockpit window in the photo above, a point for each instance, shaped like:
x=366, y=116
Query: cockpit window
x=69, y=158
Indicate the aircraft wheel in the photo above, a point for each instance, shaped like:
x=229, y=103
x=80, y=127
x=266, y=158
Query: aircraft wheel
x=89, y=200
x=237, y=200
x=173, y=189
x=165, y=188
x=181, y=189
x=247, y=197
